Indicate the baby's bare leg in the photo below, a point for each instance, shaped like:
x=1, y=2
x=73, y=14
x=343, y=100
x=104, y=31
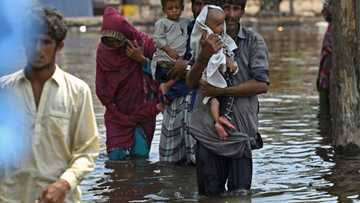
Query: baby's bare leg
x=215, y=109
x=215, y=113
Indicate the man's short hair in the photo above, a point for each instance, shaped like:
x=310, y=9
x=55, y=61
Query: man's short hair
x=163, y=3
x=48, y=21
x=221, y=3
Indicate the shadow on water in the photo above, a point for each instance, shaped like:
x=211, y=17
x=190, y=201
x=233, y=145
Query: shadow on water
x=297, y=164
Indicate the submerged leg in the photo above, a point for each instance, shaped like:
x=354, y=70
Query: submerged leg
x=141, y=147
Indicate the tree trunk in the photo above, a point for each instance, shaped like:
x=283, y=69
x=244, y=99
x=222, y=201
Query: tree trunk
x=291, y=8
x=345, y=76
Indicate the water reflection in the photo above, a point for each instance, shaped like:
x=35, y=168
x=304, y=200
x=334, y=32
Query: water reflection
x=296, y=164
x=345, y=178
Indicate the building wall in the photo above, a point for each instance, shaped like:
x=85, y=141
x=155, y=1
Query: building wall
x=71, y=8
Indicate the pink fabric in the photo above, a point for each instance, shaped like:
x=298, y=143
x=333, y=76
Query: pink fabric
x=122, y=86
x=325, y=61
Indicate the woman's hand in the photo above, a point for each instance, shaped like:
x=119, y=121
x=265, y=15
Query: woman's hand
x=135, y=52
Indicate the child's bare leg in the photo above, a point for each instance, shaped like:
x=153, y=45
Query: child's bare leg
x=165, y=86
x=160, y=107
x=215, y=113
x=224, y=121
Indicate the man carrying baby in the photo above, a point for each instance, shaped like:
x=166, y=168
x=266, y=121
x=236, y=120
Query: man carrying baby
x=229, y=161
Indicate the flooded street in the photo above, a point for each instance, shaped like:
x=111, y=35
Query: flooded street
x=296, y=164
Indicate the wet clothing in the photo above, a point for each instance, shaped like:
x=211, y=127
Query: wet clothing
x=252, y=61
x=231, y=159
x=140, y=148
x=176, y=143
x=213, y=171
x=323, y=79
x=61, y=134
x=128, y=93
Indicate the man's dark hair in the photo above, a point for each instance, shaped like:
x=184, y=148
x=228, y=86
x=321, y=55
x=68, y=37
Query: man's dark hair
x=48, y=21
x=221, y=3
x=163, y=3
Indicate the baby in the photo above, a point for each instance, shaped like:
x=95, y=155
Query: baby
x=170, y=36
x=221, y=66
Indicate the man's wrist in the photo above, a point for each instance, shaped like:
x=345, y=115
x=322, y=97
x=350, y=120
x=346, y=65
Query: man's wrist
x=203, y=61
x=65, y=184
x=224, y=91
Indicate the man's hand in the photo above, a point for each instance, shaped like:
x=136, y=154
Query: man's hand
x=209, y=46
x=208, y=90
x=179, y=69
x=55, y=193
x=135, y=52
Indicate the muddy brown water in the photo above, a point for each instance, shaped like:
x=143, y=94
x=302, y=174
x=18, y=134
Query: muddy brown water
x=297, y=164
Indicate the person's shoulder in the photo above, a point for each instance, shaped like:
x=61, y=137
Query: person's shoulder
x=162, y=21
x=75, y=83
x=251, y=33
x=185, y=21
x=10, y=79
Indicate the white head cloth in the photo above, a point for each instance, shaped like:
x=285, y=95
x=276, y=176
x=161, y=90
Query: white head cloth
x=212, y=73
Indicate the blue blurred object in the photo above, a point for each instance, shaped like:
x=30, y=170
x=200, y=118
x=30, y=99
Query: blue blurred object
x=13, y=141
x=14, y=144
x=5, y=26
x=12, y=16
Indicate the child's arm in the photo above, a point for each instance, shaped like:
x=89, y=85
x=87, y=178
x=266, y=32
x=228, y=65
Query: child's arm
x=170, y=52
x=160, y=34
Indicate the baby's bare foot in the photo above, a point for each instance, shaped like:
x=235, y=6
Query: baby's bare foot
x=221, y=131
x=224, y=121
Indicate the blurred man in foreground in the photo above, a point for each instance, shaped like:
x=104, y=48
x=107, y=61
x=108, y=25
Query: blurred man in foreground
x=61, y=129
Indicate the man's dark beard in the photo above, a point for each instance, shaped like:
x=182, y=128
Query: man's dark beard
x=232, y=30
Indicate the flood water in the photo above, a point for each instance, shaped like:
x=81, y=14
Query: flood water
x=297, y=164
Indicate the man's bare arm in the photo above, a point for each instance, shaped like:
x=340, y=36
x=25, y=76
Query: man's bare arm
x=248, y=88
